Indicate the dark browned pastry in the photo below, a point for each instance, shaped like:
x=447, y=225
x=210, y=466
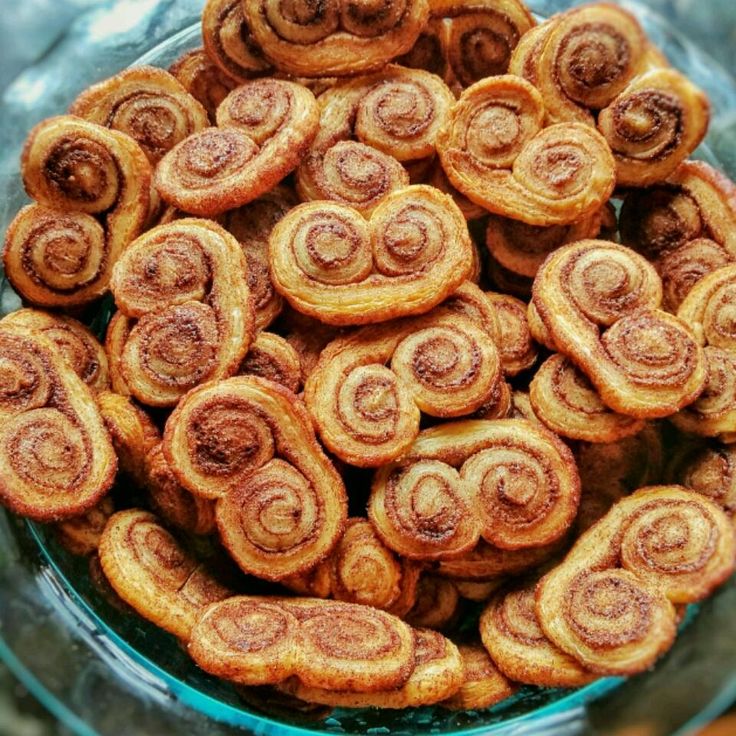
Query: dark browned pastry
x=271, y=356
x=153, y=573
x=265, y=128
x=148, y=104
x=338, y=38
x=56, y=458
x=92, y=188
x=252, y=225
x=437, y=603
x=203, y=79
x=81, y=534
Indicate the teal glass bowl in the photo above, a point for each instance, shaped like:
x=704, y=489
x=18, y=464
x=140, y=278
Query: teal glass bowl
x=104, y=672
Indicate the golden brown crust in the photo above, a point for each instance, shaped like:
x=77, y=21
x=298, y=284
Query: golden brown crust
x=249, y=443
x=331, y=264
x=265, y=127
x=229, y=42
x=709, y=470
x=56, y=459
x=338, y=38
x=76, y=343
x=148, y=104
x=203, y=79
x=494, y=149
x=510, y=631
x=437, y=673
x=599, y=303
x=184, y=285
x=516, y=346
x=609, y=604
x=132, y=432
x=81, y=535
x=118, y=331
x=153, y=574
x=368, y=414
x=563, y=398
x=484, y=685
x=509, y=481
x=92, y=188
x=327, y=644
x=653, y=125
x=437, y=603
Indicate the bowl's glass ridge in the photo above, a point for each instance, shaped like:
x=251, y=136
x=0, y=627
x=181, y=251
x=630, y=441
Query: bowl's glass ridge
x=103, y=672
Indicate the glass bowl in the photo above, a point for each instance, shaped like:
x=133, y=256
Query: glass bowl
x=102, y=671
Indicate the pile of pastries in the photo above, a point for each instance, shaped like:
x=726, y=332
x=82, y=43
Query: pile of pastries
x=421, y=309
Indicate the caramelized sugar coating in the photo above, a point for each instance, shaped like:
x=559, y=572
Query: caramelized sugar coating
x=270, y=356
x=184, y=286
x=330, y=263
x=510, y=631
x=148, y=104
x=153, y=573
x=265, y=128
x=249, y=443
x=92, y=192
x=564, y=399
x=367, y=413
x=76, y=343
x=599, y=303
x=609, y=604
x=337, y=38
x=437, y=674
x=56, y=458
x=495, y=150
x=326, y=644
x=509, y=481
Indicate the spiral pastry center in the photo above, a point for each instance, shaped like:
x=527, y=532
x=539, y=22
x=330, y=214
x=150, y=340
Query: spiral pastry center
x=214, y=154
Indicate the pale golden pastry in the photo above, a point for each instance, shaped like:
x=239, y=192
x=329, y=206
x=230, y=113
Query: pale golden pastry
x=338, y=38
x=153, y=573
x=184, y=287
x=495, y=150
x=330, y=263
x=92, y=188
x=265, y=128
x=56, y=458
x=147, y=103
x=599, y=303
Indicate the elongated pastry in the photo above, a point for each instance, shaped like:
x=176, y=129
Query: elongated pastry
x=330, y=263
x=153, y=573
x=599, y=302
x=495, y=150
x=339, y=38
x=92, y=188
x=509, y=481
x=248, y=443
x=184, y=286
